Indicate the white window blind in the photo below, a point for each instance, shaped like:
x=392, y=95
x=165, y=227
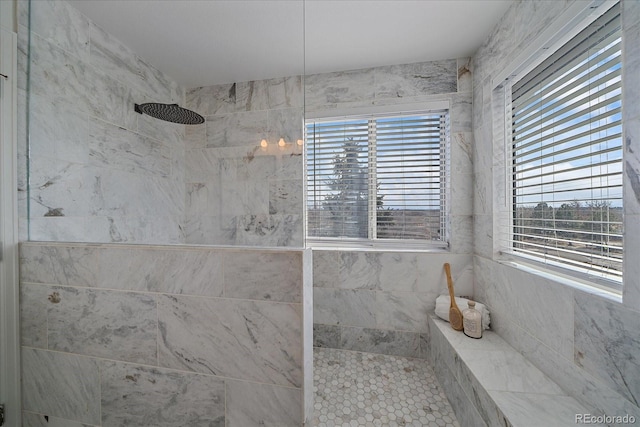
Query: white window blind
x=567, y=154
x=377, y=178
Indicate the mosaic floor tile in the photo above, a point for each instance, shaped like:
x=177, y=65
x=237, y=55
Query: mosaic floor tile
x=364, y=389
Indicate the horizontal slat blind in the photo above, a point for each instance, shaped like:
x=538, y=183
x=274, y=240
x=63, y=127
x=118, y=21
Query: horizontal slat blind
x=376, y=178
x=567, y=154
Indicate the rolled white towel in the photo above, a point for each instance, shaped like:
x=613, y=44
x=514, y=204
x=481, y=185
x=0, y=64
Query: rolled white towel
x=442, y=309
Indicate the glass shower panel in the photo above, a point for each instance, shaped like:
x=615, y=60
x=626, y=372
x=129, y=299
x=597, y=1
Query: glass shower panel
x=96, y=170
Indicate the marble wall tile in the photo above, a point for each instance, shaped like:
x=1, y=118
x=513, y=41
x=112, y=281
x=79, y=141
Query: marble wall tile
x=606, y=343
x=114, y=147
x=339, y=87
x=63, y=25
x=135, y=229
x=250, y=404
x=120, y=193
x=239, y=129
x=326, y=335
x=52, y=69
x=63, y=265
x=268, y=230
x=108, y=99
x=269, y=94
x=195, y=136
x=461, y=240
x=285, y=92
x=631, y=187
x=398, y=81
x=266, y=276
x=168, y=133
x=58, y=129
x=461, y=155
x=395, y=343
x=631, y=289
x=461, y=112
x=344, y=307
x=255, y=341
x=346, y=269
x=465, y=75
x=531, y=19
x=33, y=315
x=524, y=296
x=197, y=202
x=58, y=188
x=461, y=203
x=176, y=271
x=30, y=419
x=252, y=96
x=139, y=395
x=589, y=390
x=56, y=229
x=403, y=311
x=110, y=55
x=495, y=51
x=212, y=100
x=113, y=325
x=61, y=385
x=285, y=123
x=286, y=197
x=203, y=165
x=157, y=85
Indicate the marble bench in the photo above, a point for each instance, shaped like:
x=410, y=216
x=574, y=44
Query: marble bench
x=490, y=384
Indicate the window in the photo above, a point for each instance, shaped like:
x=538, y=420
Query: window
x=567, y=155
x=377, y=178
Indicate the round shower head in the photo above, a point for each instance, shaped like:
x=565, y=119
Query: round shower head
x=170, y=113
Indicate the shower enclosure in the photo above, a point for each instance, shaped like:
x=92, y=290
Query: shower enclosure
x=163, y=276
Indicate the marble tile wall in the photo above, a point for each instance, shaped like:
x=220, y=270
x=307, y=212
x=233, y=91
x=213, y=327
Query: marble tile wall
x=238, y=192
x=587, y=343
x=162, y=335
x=380, y=302
x=99, y=172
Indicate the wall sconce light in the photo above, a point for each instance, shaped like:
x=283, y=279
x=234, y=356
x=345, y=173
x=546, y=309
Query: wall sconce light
x=299, y=142
x=281, y=143
x=263, y=143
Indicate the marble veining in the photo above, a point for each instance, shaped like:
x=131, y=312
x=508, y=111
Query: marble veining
x=606, y=343
x=394, y=343
x=407, y=80
x=404, y=311
x=263, y=276
x=62, y=385
x=250, y=404
x=249, y=340
x=137, y=395
x=30, y=419
x=66, y=265
x=344, y=307
x=114, y=325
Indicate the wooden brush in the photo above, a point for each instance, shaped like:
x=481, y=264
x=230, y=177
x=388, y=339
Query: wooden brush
x=455, y=315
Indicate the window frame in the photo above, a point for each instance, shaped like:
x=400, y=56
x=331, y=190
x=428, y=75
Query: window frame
x=553, y=40
x=368, y=243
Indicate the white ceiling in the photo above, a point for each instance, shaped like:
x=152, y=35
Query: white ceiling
x=207, y=42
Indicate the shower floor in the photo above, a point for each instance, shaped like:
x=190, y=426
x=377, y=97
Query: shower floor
x=364, y=389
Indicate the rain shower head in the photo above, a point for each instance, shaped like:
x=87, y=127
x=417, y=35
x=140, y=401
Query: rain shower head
x=170, y=113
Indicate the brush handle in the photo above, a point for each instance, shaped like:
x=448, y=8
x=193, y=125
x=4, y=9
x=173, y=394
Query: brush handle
x=447, y=269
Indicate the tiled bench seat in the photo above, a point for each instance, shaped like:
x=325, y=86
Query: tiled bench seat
x=490, y=384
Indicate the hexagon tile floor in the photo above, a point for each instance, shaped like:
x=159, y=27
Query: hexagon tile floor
x=364, y=389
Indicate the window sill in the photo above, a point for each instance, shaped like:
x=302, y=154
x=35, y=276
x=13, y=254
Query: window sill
x=368, y=246
x=542, y=271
